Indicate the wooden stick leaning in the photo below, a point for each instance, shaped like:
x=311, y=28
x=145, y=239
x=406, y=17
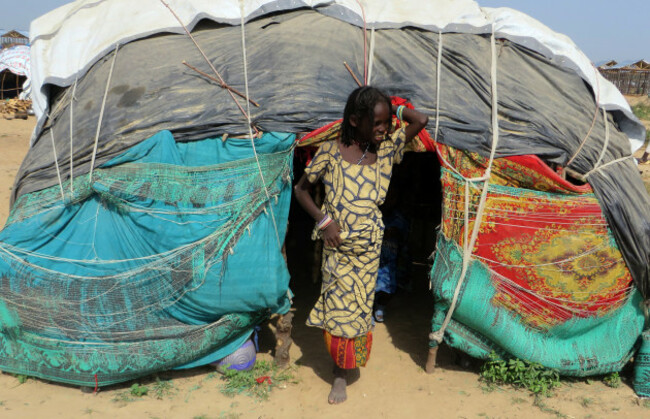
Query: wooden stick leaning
x=221, y=80
x=352, y=73
x=221, y=83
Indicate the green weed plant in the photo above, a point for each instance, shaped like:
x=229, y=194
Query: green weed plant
x=22, y=379
x=258, y=382
x=138, y=390
x=520, y=374
x=641, y=111
x=134, y=392
x=162, y=388
x=612, y=380
x=539, y=403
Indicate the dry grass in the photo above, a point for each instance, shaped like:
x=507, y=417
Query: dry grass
x=641, y=108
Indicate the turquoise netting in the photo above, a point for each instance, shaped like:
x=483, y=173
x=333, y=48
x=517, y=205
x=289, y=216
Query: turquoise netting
x=167, y=257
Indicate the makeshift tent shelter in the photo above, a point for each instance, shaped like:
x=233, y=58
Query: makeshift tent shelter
x=131, y=209
x=14, y=71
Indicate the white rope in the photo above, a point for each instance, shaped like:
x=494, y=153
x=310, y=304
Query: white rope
x=101, y=114
x=466, y=219
x=438, y=78
x=593, y=122
x=467, y=251
x=371, y=55
x=250, y=124
x=536, y=228
x=597, y=165
x=437, y=128
x=56, y=162
x=607, y=164
x=606, y=143
x=74, y=89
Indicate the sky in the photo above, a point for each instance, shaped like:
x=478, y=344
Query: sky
x=603, y=29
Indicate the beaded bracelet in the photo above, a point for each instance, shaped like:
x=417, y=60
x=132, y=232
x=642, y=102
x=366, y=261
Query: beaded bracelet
x=400, y=111
x=322, y=224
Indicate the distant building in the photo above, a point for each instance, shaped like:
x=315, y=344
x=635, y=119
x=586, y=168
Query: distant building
x=631, y=78
x=609, y=64
x=12, y=38
x=640, y=65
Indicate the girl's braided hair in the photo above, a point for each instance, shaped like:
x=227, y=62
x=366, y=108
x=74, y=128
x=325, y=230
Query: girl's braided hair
x=361, y=102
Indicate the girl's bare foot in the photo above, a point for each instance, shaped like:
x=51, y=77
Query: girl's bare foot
x=338, y=393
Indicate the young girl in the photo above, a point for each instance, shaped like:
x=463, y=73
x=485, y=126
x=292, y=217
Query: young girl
x=355, y=170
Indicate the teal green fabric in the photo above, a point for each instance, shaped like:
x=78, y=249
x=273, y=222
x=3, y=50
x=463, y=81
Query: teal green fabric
x=579, y=347
x=168, y=257
x=642, y=367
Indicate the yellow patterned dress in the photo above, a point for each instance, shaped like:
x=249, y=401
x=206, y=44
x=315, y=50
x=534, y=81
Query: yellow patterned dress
x=353, y=194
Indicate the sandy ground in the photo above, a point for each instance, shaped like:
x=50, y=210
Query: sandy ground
x=393, y=384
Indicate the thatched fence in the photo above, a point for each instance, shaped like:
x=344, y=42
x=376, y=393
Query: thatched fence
x=629, y=81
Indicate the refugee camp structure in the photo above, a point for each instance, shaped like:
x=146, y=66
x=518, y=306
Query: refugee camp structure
x=14, y=71
x=630, y=79
x=148, y=217
x=13, y=38
x=10, y=84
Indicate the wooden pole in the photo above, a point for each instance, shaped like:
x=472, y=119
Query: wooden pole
x=283, y=339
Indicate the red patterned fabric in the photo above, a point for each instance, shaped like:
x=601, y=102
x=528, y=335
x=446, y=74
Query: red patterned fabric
x=422, y=141
x=545, y=240
x=349, y=353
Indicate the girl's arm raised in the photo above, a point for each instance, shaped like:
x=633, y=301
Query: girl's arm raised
x=302, y=191
x=416, y=121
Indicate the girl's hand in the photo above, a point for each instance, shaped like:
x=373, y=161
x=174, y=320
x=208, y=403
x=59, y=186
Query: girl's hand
x=331, y=236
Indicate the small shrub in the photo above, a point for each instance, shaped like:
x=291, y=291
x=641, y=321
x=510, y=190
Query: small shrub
x=612, y=380
x=520, y=374
x=138, y=390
